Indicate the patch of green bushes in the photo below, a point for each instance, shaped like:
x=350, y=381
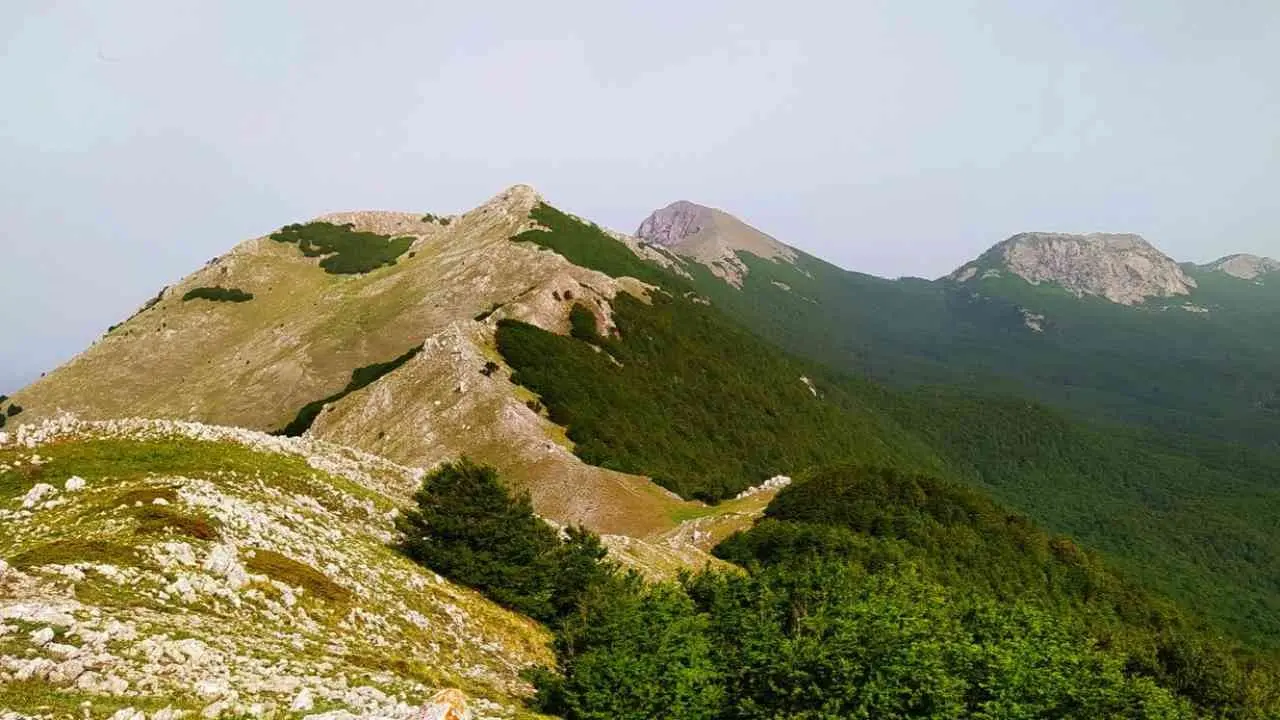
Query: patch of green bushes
x=342, y=250
x=360, y=378
x=582, y=324
x=441, y=220
x=14, y=409
x=879, y=521
x=692, y=401
x=218, y=294
x=468, y=528
x=589, y=246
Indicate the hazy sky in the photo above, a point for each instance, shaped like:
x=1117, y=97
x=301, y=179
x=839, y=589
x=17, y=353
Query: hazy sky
x=139, y=139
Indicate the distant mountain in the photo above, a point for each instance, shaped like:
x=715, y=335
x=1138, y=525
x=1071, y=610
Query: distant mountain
x=1243, y=266
x=1122, y=268
x=710, y=237
x=1105, y=325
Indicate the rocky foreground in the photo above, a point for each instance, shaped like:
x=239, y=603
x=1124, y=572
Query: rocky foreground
x=156, y=569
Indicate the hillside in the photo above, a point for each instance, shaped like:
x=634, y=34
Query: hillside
x=629, y=385
x=1105, y=326
x=375, y=330
x=685, y=397
x=158, y=566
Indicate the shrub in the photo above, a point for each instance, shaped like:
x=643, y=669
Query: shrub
x=14, y=409
x=342, y=250
x=825, y=640
x=159, y=519
x=218, y=294
x=582, y=324
x=467, y=527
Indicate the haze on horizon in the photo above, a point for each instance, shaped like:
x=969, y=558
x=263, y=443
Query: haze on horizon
x=140, y=139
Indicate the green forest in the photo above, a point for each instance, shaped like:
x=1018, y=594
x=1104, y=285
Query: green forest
x=867, y=593
x=684, y=395
x=342, y=250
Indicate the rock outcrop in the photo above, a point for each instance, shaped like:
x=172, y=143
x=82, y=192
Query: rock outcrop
x=1121, y=267
x=1244, y=266
x=711, y=237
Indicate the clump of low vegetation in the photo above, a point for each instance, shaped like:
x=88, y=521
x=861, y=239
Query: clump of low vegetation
x=589, y=246
x=582, y=324
x=360, y=378
x=13, y=409
x=285, y=569
x=438, y=219
x=161, y=519
x=468, y=528
x=218, y=294
x=344, y=251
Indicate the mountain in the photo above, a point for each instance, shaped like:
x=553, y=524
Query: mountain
x=1122, y=268
x=1244, y=266
x=281, y=333
x=1105, y=326
x=635, y=385
x=710, y=237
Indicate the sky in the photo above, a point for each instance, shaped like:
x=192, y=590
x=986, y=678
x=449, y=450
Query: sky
x=139, y=139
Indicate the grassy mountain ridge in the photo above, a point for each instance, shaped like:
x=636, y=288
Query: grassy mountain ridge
x=302, y=352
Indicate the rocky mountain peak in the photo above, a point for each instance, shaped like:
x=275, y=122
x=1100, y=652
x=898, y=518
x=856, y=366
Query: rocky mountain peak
x=1121, y=267
x=1244, y=266
x=711, y=237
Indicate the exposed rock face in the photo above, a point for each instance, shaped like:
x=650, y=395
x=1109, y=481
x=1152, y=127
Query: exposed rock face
x=711, y=237
x=1243, y=266
x=1123, y=268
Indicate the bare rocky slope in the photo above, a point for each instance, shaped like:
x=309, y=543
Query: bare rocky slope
x=711, y=237
x=1244, y=266
x=1121, y=267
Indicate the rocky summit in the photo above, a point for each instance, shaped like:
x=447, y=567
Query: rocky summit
x=1244, y=266
x=711, y=237
x=1121, y=267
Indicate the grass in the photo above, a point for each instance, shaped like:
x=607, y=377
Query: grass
x=360, y=378
x=113, y=461
x=344, y=251
x=72, y=550
x=147, y=496
x=218, y=294
x=41, y=698
x=296, y=574
x=161, y=519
